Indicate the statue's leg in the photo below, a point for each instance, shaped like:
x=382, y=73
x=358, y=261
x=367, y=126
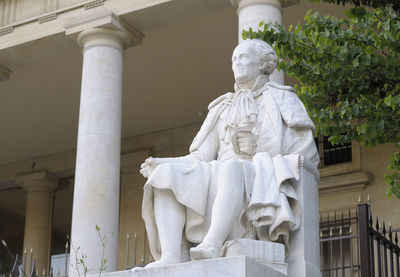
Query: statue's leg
x=226, y=209
x=170, y=220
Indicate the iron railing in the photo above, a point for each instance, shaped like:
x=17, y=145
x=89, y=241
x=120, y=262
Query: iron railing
x=339, y=244
x=351, y=245
x=134, y=256
x=379, y=246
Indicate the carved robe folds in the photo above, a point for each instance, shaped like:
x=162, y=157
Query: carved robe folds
x=270, y=210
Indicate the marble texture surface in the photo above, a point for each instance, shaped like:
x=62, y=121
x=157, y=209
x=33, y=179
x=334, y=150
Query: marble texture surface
x=97, y=173
x=251, y=13
x=269, y=253
x=304, y=255
x=241, y=177
x=238, y=266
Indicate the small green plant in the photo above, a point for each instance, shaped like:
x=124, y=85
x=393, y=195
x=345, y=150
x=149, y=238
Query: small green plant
x=103, y=260
x=80, y=263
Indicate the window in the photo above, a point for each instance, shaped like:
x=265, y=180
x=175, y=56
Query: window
x=332, y=154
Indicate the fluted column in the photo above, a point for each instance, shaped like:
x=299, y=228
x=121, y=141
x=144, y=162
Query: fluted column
x=39, y=188
x=252, y=12
x=97, y=173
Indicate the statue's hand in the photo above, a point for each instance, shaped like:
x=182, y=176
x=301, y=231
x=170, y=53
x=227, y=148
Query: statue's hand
x=149, y=165
x=246, y=142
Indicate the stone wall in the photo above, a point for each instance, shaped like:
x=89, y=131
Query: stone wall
x=365, y=182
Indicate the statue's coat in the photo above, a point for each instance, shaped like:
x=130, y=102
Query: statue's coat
x=271, y=207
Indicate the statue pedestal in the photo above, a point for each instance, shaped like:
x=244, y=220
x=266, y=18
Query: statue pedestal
x=238, y=266
x=271, y=254
x=303, y=258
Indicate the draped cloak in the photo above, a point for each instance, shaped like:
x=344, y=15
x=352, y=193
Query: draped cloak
x=270, y=203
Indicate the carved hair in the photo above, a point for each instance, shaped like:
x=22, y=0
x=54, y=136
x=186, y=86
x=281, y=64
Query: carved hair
x=265, y=53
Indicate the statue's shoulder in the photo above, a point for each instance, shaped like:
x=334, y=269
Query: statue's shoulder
x=280, y=87
x=285, y=96
x=220, y=99
x=292, y=109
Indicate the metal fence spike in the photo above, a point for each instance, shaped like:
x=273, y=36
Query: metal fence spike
x=15, y=269
x=33, y=273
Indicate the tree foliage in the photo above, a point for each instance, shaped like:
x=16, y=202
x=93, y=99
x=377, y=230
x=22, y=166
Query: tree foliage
x=370, y=3
x=349, y=74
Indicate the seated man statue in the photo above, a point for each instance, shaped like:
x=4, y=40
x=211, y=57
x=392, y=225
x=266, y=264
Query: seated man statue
x=237, y=180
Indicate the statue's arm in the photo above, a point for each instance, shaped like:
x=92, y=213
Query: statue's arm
x=300, y=141
x=147, y=168
x=206, y=151
x=299, y=129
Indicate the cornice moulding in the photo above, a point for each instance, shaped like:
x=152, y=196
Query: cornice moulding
x=357, y=180
x=76, y=26
x=37, y=181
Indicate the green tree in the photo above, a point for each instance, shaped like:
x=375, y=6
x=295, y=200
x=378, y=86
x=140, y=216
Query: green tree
x=349, y=75
x=370, y=3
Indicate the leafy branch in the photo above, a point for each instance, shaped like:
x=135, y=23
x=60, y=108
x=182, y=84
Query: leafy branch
x=348, y=72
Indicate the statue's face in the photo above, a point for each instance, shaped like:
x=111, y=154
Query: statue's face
x=245, y=63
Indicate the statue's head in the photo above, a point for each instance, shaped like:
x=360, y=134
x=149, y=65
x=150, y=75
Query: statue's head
x=252, y=58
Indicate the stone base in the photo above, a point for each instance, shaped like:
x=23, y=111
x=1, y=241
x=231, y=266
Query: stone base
x=238, y=266
x=271, y=254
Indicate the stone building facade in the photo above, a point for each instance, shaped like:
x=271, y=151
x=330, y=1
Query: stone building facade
x=149, y=66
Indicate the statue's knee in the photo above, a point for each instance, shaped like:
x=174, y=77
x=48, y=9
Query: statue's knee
x=162, y=192
x=232, y=166
x=162, y=172
x=230, y=174
x=165, y=167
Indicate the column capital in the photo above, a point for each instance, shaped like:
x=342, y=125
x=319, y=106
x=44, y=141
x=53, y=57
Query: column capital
x=4, y=73
x=37, y=181
x=240, y=4
x=104, y=36
x=104, y=29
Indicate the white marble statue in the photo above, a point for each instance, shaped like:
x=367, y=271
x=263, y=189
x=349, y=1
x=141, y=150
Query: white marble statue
x=237, y=180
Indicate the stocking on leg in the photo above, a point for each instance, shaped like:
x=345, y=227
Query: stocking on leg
x=170, y=220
